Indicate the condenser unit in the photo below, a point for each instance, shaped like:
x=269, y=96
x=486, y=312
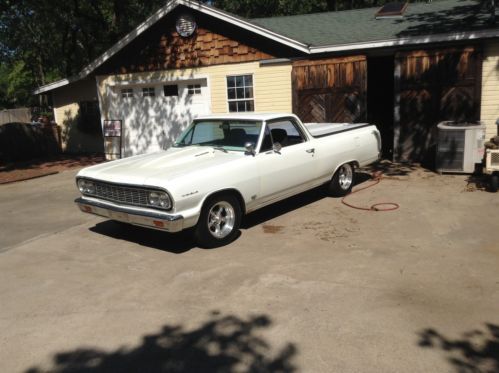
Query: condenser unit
x=460, y=146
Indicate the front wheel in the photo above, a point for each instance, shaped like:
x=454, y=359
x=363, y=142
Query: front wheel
x=342, y=182
x=219, y=221
x=494, y=183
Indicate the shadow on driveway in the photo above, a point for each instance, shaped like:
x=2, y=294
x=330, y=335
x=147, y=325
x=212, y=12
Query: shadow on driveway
x=176, y=243
x=473, y=351
x=222, y=344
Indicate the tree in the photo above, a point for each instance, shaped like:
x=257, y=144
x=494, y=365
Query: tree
x=51, y=40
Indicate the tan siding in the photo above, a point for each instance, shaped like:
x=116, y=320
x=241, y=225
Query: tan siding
x=272, y=84
x=66, y=107
x=490, y=87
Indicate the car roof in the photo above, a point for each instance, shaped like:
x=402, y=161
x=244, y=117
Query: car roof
x=245, y=116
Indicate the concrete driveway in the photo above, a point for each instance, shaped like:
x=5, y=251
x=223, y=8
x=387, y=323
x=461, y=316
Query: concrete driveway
x=310, y=285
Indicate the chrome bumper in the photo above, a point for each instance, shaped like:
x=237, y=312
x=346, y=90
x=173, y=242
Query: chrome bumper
x=136, y=216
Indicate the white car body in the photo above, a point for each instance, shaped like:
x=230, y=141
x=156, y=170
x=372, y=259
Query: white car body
x=190, y=175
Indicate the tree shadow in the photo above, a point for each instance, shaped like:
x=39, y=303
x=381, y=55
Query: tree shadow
x=222, y=344
x=463, y=17
x=389, y=168
x=474, y=351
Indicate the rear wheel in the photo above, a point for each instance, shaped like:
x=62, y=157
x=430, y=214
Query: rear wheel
x=342, y=181
x=219, y=221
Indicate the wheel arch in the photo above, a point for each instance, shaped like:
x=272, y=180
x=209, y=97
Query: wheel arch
x=353, y=162
x=233, y=191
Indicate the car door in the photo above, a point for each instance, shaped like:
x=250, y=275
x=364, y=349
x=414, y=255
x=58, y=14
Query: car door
x=288, y=170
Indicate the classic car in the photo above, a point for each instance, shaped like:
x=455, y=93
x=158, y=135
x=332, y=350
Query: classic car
x=223, y=167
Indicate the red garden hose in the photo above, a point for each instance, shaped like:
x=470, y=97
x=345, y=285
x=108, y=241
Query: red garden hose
x=388, y=206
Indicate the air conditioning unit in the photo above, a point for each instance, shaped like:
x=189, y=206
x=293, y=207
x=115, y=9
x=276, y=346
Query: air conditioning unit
x=460, y=146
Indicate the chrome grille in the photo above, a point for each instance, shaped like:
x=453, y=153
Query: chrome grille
x=121, y=194
x=494, y=159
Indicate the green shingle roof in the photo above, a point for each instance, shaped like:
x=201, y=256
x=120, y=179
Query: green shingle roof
x=355, y=26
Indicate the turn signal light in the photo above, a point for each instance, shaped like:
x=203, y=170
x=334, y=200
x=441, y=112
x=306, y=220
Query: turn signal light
x=158, y=223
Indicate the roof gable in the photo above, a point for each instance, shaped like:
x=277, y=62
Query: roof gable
x=158, y=15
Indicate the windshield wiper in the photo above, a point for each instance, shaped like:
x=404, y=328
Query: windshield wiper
x=220, y=148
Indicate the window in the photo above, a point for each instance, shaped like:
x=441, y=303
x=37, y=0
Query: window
x=240, y=93
x=127, y=93
x=284, y=132
x=226, y=134
x=148, y=92
x=170, y=90
x=194, y=89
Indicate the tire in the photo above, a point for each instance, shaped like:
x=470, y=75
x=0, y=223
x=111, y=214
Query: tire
x=219, y=221
x=494, y=183
x=342, y=182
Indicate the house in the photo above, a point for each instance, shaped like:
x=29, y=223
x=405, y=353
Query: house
x=404, y=69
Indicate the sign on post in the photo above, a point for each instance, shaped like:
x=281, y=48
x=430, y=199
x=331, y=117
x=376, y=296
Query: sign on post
x=112, y=139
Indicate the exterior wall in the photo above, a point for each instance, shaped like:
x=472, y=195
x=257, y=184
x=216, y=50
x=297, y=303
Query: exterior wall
x=156, y=123
x=66, y=109
x=490, y=88
x=272, y=85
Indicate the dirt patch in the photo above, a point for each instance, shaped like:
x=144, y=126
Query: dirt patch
x=267, y=228
x=19, y=171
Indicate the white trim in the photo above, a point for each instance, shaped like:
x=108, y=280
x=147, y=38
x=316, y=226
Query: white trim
x=413, y=40
x=235, y=100
x=54, y=85
x=245, y=24
x=166, y=79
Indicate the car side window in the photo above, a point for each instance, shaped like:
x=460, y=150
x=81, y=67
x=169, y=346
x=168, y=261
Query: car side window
x=285, y=132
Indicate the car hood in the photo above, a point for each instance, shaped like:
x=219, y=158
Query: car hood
x=158, y=169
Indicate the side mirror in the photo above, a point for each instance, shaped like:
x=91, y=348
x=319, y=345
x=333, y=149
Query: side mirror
x=250, y=148
x=277, y=147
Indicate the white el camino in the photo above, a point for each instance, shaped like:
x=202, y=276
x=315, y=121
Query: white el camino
x=225, y=166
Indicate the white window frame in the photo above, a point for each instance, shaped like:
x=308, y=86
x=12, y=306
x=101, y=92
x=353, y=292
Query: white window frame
x=127, y=93
x=148, y=92
x=194, y=89
x=240, y=99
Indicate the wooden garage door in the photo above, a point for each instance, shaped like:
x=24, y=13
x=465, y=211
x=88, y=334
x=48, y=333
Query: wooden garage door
x=330, y=90
x=433, y=86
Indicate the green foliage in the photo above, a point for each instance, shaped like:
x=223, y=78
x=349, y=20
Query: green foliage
x=44, y=40
x=16, y=85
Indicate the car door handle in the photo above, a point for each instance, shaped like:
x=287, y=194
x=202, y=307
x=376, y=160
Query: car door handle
x=310, y=150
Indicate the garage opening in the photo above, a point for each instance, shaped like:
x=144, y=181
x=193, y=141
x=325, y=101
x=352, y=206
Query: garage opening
x=380, y=99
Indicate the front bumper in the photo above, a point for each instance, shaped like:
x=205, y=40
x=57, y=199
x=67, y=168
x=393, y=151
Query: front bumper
x=133, y=215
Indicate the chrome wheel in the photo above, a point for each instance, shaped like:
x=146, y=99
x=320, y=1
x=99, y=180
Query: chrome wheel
x=345, y=176
x=221, y=219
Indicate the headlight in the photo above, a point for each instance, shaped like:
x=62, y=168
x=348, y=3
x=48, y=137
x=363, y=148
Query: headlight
x=160, y=199
x=86, y=186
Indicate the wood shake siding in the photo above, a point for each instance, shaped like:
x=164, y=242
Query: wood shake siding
x=204, y=48
x=490, y=88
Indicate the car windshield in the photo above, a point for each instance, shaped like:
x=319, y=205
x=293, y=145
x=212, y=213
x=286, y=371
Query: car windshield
x=223, y=134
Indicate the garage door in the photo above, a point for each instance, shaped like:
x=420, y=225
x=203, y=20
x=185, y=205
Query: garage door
x=434, y=86
x=154, y=115
x=330, y=90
